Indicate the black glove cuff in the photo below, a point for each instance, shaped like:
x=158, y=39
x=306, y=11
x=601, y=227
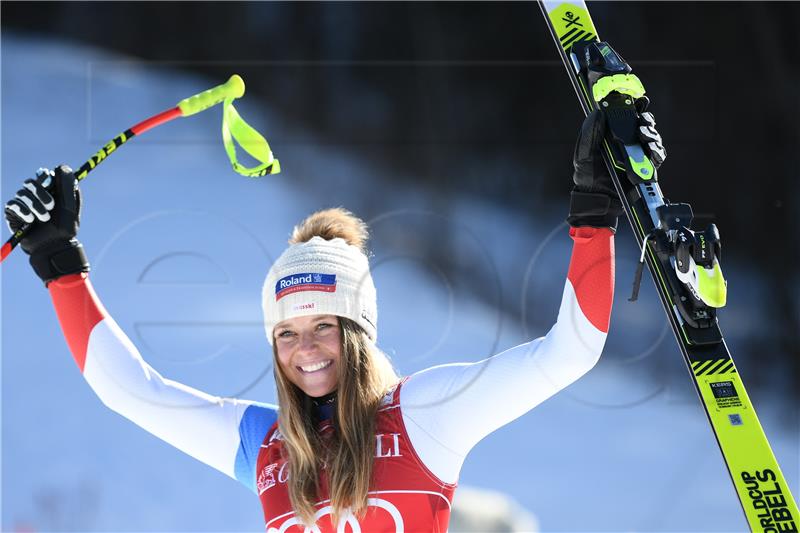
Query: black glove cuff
x=59, y=259
x=596, y=210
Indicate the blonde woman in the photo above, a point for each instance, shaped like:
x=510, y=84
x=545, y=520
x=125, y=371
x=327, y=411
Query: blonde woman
x=350, y=445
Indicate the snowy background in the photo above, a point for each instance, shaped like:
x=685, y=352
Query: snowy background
x=180, y=245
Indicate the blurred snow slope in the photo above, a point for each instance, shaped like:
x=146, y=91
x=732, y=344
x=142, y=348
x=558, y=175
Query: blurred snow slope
x=180, y=245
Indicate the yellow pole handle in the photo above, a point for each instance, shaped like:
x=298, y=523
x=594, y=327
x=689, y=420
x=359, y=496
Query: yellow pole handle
x=233, y=88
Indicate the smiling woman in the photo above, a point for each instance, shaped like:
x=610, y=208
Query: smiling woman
x=327, y=364
x=308, y=350
x=351, y=445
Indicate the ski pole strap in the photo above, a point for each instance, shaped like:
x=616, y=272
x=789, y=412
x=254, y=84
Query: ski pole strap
x=234, y=128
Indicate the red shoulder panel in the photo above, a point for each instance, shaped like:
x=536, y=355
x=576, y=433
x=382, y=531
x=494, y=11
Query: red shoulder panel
x=78, y=309
x=591, y=272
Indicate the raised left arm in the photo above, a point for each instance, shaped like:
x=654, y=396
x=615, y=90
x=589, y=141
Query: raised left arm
x=448, y=409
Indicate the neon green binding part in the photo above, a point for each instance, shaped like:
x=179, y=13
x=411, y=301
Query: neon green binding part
x=622, y=83
x=711, y=285
x=644, y=168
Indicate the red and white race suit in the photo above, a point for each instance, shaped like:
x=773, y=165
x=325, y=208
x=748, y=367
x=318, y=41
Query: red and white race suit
x=425, y=428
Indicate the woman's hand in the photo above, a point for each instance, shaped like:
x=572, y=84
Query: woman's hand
x=594, y=201
x=52, y=203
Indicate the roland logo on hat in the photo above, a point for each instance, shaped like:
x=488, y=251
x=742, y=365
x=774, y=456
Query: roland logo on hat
x=305, y=282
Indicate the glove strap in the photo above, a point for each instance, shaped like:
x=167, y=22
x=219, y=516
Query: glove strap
x=59, y=259
x=596, y=210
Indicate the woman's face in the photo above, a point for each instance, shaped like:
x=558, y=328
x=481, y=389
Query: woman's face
x=309, y=349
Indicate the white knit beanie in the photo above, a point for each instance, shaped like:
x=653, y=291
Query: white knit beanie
x=320, y=277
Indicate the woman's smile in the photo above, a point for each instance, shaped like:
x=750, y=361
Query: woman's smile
x=315, y=367
x=309, y=348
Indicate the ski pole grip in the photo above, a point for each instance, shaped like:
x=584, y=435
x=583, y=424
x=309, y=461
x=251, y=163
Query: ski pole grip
x=233, y=88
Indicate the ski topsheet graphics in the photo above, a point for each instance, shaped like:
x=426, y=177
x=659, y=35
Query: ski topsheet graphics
x=684, y=265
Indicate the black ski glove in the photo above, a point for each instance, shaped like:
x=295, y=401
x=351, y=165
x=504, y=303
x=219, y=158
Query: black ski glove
x=594, y=201
x=52, y=202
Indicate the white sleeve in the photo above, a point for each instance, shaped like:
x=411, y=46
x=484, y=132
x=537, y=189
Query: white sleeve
x=448, y=409
x=224, y=433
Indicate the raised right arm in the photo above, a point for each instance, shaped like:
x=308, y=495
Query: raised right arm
x=223, y=433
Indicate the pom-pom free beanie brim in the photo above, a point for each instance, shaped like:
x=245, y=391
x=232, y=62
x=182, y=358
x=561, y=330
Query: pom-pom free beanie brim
x=320, y=277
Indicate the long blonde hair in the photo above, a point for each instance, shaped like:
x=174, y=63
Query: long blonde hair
x=365, y=374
